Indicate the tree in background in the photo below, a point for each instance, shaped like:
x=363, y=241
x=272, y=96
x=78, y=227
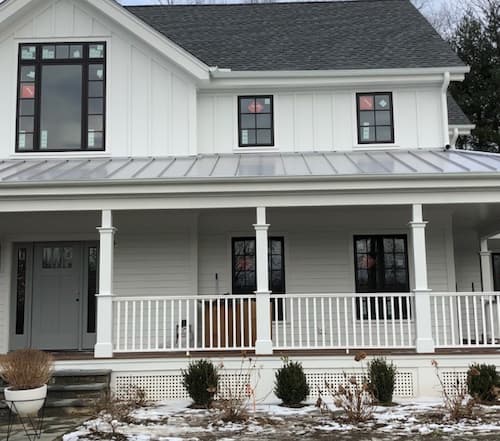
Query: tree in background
x=476, y=39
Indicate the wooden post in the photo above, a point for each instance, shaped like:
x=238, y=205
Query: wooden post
x=104, y=329
x=263, y=344
x=423, y=322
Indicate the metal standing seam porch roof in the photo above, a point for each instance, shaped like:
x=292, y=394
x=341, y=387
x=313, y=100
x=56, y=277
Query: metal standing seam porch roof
x=207, y=168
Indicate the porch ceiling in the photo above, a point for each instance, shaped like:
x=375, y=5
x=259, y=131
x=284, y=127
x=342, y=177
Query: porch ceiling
x=357, y=164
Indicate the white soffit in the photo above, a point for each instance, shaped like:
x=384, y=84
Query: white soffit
x=236, y=166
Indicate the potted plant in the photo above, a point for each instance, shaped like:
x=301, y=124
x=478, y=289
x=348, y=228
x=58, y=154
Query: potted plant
x=26, y=372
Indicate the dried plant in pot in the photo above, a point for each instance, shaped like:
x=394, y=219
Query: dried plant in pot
x=27, y=372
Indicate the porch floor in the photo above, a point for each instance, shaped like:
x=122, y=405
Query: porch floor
x=89, y=355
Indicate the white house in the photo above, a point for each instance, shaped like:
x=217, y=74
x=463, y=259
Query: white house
x=274, y=178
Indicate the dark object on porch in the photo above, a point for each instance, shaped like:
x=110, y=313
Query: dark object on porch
x=201, y=381
x=482, y=382
x=290, y=385
x=240, y=319
x=382, y=377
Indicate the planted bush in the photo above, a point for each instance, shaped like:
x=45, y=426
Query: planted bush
x=201, y=381
x=483, y=382
x=26, y=368
x=382, y=377
x=290, y=384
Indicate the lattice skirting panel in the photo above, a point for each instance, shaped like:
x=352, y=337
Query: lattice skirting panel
x=170, y=387
x=404, y=387
x=454, y=381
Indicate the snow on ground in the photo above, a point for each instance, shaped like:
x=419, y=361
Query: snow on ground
x=174, y=421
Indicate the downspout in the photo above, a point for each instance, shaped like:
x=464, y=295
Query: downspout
x=454, y=138
x=444, y=106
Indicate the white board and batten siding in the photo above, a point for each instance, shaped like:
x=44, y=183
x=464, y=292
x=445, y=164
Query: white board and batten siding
x=150, y=102
x=321, y=120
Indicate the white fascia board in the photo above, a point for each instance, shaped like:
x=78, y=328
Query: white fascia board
x=300, y=184
x=120, y=15
x=321, y=78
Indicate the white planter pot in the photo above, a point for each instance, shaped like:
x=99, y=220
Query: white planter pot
x=25, y=402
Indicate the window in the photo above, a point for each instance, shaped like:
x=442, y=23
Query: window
x=61, y=97
x=255, y=121
x=244, y=268
x=375, y=118
x=381, y=265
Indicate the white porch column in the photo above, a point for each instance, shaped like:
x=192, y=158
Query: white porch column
x=104, y=325
x=423, y=323
x=486, y=270
x=263, y=344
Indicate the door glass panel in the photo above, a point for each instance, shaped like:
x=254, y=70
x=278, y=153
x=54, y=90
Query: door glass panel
x=20, y=290
x=91, y=288
x=57, y=257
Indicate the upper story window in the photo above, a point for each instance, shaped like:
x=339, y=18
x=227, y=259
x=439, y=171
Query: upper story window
x=255, y=121
x=61, y=97
x=375, y=118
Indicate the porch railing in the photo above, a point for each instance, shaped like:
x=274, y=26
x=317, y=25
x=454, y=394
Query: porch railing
x=342, y=321
x=184, y=323
x=465, y=319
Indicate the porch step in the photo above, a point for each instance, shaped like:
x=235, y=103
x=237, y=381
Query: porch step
x=74, y=391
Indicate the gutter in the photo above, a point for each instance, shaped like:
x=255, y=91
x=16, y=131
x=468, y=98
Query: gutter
x=444, y=109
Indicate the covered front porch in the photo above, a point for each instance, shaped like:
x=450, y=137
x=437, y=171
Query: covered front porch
x=180, y=282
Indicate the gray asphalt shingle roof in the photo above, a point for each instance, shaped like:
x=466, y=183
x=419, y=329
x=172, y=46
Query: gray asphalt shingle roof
x=363, y=34
x=456, y=115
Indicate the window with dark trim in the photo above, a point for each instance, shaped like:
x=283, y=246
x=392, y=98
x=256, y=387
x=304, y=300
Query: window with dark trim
x=61, y=97
x=92, y=265
x=255, y=121
x=244, y=268
x=381, y=265
x=375, y=118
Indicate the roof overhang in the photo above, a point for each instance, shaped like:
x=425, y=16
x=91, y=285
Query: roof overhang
x=11, y=9
x=240, y=180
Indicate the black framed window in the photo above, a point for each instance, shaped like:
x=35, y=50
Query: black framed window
x=21, y=279
x=92, y=266
x=381, y=265
x=375, y=118
x=245, y=269
x=255, y=121
x=61, y=97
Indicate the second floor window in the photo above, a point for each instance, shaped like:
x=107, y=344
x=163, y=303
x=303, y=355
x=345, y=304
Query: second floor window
x=375, y=118
x=61, y=97
x=255, y=121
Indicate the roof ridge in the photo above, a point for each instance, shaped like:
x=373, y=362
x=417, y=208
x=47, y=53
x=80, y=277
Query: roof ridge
x=287, y=2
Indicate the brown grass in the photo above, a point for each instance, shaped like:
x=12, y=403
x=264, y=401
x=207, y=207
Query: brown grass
x=26, y=369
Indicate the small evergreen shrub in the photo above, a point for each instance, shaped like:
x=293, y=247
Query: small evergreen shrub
x=482, y=381
x=382, y=376
x=290, y=384
x=201, y=381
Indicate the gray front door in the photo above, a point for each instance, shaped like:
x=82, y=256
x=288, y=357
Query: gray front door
x=57, y=284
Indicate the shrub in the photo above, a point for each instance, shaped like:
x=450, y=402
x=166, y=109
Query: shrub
x=382, y=376
x=290, y=385
x=201, y=381
x=354, y=397
x=457, y=402
x=26, y=369
x=482, y=381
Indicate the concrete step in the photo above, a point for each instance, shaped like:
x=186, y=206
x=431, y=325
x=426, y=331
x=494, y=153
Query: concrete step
x=74, y=391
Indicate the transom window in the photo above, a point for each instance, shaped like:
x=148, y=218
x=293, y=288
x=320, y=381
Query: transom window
x=61, y=97
x=381, y=265
x=375, y=118
x=255, y=121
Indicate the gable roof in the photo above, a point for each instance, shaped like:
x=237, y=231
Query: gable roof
x=339, y=35
x=456, y=116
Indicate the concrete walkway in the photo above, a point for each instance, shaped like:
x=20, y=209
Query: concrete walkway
x=53, y=427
